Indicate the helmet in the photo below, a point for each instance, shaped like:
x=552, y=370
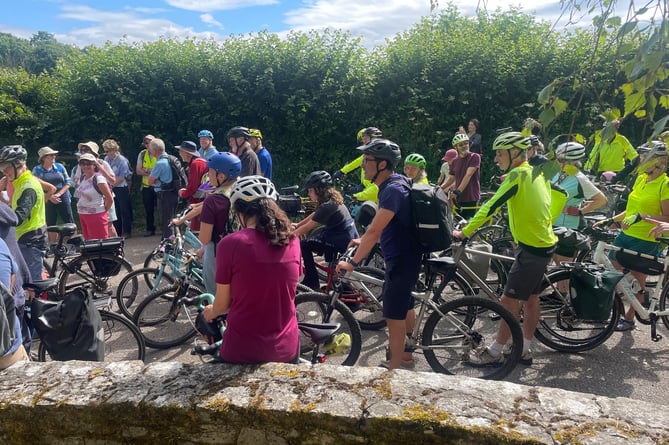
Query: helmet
x=458, y=138
x=255, y=133
x=416, y=159
x=372, y=132
x=235, y=132
x=205, y=134
x=318, y=178
x=251, y=188
x=664, y=136
x=360, y=133
x=383, y=149
x=13, y=154
x=569, y=151
x=653, y=149
x=512, y=139
x=225, y=162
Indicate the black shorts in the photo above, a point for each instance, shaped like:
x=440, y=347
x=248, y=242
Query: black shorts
x=526, y=274
x=400, y=279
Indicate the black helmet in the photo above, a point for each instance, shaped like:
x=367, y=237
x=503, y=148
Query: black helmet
x=13, y=154
x=373, y=132
x=383, y=149
x=319, y=178
x=235, y=132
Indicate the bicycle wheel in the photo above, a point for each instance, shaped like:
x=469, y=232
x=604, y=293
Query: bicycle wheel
x=301, y=288
x=162, y=321
x=375, y=258
x=100, y=273
x=663, y=305
x=454, y=289
x=560, y=328
x=123, y=341
x=315, y=307
x=489, y=234
x=367, y=309
x=137, y=285
x=155, y=258
x=464, y=327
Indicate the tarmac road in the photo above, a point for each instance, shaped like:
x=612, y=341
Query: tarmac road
x=629, y=364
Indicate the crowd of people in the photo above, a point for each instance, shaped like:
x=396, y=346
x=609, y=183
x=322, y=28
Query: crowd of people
x=245, y=234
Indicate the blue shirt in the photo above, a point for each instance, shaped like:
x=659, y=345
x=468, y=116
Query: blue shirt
x=7, y=269
x=265, y=160
x=210, y=152
x=121, y=168
x=396, y=238
x=57, y=176
x=162, y=172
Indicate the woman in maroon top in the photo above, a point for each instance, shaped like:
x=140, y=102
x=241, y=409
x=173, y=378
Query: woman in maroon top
x=257, y=269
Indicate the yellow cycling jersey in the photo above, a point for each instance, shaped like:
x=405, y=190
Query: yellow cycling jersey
x=646, y=198
x=529, y=203
x=610, y=156
x=370, y=191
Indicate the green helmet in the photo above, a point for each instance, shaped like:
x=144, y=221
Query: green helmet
x=512, y=139
x=255, y=133
x=360, y=133
x=459, y=138
x=416, y=159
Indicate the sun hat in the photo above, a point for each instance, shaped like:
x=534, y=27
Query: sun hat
x=45, y=151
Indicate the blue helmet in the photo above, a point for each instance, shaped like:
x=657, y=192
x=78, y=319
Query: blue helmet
x=225, y=162
x=205, y=134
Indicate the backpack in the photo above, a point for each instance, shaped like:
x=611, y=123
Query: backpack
x=7, y=320
x=432, y=217
x=179, y=176
x=95, y=182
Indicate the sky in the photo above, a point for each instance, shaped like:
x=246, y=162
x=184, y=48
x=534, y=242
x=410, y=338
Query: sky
x=94, y=22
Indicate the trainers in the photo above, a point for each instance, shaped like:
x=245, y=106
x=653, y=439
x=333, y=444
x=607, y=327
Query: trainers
x=525, y=359
x=625, y=325
x=406, y=364
x=485, y=358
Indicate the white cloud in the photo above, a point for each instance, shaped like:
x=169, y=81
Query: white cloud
x=128, y=25
x=210, y=20
x=217, y=5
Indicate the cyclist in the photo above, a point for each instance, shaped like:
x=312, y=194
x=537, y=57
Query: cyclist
x=650, y=197
x=238, y=140
x=414, y=168
x=366, y=191
x=391, y=224
x=261, y=320
x=465, y=174
x=338, y=226
x=264, y=157
x=28, y=203
x=612, y=153
x=224, y=168
x=197, y=175
x=207, y=148
x=528, y=199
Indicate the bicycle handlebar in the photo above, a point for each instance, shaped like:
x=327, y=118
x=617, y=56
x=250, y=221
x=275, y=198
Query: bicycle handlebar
x=201, y=300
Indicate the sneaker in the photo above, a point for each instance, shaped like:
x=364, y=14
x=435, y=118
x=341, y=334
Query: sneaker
x=525, y=359
x=625, y=325
x=485, y=358
x=406, y=364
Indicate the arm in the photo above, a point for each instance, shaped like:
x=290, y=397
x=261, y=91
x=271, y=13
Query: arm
x=221, y=303
x=465, y=181
x=369, y=239
x=139, y=168
x=369, y=193
x=356, y=163
x=594, y=203
x=106, y=171
x=305, y=228
x=451, y=179
x=205, y=233
x=24, y=205
x=106, y=192
x=49, y=189
x=195, y=210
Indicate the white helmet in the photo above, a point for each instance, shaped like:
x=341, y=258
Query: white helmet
x=251, y=188
x=570, y=151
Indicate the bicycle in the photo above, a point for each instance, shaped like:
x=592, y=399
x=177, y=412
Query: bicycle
x=187, y=238
x=319, y=337
x=94, y=265
x=449, y=332
x=162, y=318
x=122, y=339
x=142, y=282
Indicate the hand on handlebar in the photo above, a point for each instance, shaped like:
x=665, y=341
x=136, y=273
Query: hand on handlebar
x=457, y=234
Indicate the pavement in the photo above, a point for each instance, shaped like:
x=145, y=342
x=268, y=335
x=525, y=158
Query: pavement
x=629, y=364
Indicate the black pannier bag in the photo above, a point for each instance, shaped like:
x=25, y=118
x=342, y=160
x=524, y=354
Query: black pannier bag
x=592, y=290
x=102, y=267
x=570, y=241
x=71, y=328
x=291, y=204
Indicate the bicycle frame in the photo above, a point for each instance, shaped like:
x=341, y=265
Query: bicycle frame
x=624, y=286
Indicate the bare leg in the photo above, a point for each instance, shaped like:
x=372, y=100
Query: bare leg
x=396, y=338
x=410, y=323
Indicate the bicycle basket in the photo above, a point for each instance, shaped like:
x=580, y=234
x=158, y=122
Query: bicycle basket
x=634, y=261
x=103, y=267
x=592, y=291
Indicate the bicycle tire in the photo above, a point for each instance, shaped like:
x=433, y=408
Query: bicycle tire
x=138, y=284
x=162, y=323
x=454, y=289
x=123, y=340
x=154, y=259
x=313, y=308
x=301, y=288
x=663, y=305
x=80, y=272
x=559, y=327
x=447, y=347
x=368, y=312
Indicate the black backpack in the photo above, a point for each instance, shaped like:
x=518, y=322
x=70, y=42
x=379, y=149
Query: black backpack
x=432, y=217
x=179, y=176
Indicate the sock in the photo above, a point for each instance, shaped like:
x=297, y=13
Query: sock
x=495, y=349
x=526, y=345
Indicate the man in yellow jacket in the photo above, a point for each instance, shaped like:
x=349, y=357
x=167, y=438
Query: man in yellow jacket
x=369, y=191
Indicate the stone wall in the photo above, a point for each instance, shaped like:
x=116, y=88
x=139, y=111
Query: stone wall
x=91, y=403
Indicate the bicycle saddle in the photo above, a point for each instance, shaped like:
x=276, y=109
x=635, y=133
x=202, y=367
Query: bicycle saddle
x=441, y=264
x=40, y=286
x=318, y=332
x=66, y=229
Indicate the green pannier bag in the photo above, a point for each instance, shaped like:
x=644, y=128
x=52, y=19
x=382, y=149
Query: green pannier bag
x=592, y=290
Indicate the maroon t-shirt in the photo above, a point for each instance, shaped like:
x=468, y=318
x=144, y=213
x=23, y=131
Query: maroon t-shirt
x=215, y=211
x=459, y=168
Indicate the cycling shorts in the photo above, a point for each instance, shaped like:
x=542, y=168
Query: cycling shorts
x=526, y=274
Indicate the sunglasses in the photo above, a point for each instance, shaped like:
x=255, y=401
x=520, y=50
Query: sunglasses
x=84, y=163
